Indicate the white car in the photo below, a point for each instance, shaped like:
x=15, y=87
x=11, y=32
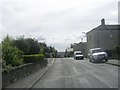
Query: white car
x=97, y=55
x=78, y=55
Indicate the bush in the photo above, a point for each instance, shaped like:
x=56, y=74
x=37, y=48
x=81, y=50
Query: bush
x=6, y=68
x=11, y=55
x=22, y=45
x=33, y=58
x=117, y=49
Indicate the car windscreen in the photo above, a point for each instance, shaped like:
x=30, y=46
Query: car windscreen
x=98, y=50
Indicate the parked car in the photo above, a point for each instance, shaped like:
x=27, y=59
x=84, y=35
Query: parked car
x=97, y=55
x=78, y=55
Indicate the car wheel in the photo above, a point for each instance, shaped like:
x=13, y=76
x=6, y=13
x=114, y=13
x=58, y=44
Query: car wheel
x=106, y=60
x=92, y=60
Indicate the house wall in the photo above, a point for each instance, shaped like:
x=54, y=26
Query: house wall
x=105, y=39
x=108, y=39
x=91, y=40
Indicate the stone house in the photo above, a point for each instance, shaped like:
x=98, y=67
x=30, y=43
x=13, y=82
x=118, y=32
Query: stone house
x=104, y=36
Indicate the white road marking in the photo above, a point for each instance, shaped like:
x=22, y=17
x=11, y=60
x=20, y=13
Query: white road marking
x=53, y=60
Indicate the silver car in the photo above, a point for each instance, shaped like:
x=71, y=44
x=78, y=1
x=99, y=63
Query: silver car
x=97, y=55
x=78, y=55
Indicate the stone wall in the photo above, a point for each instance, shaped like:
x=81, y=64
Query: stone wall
x=21, y=71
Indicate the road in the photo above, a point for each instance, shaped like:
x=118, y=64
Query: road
x=70, y=73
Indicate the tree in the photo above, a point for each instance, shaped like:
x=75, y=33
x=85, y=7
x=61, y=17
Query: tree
x=33, y=46
x=22, y=44
x=27, y=45
x=71, y=46
x=65, y=53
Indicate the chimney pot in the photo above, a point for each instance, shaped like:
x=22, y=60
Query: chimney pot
x=103, y=21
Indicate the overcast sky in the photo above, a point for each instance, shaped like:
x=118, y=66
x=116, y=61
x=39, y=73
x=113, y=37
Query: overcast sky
x=56, y=22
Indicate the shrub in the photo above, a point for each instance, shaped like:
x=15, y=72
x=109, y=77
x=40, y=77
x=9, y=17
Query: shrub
x=11, y=55
x=6, y=68
x=117, y=49
x=22, y=45
x=33, y=58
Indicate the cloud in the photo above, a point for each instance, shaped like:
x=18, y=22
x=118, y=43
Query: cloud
x=41, y=38
x=57, y=22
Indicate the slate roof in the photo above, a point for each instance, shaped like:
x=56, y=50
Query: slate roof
x=106, y=27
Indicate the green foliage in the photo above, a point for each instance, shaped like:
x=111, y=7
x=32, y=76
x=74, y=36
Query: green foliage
x=11, y=55
x=117, y=48
x=6, y=68
x=43, y=48
x=48, y=51
x=27, y=45
x=22, y=44
x=13, y=49
x=12, y=52
x=33, y=46
x=33, y=58
x=53, y=52
x=0, y=52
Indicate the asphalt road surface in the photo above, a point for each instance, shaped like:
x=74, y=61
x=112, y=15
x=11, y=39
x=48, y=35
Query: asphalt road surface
x=70, y=73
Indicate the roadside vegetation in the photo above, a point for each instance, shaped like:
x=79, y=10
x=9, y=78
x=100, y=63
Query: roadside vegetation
x=116, y=51
x=16, y=52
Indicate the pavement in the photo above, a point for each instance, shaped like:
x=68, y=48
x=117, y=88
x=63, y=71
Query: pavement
x=29, y=81
x=113, y=62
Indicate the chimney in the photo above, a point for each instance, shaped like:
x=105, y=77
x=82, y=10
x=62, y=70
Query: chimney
x=103, y=21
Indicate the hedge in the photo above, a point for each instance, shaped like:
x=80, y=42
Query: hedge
x=33, y=58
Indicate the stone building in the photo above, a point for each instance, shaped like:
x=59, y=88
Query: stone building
x=104, y=36
x=80, y=47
